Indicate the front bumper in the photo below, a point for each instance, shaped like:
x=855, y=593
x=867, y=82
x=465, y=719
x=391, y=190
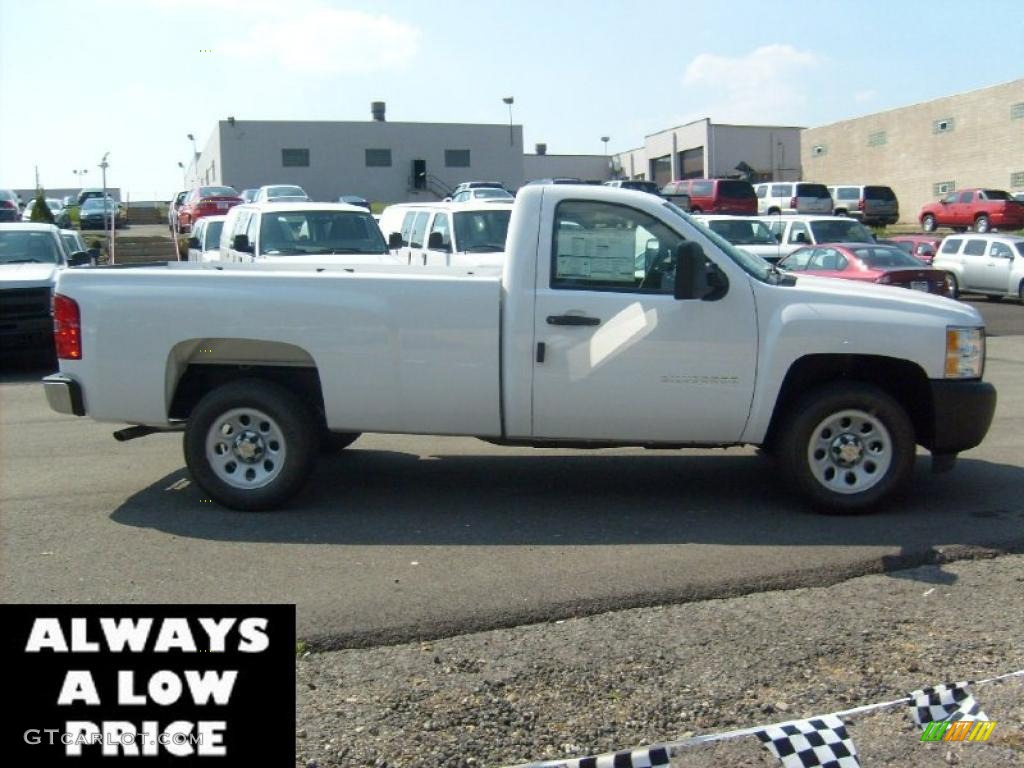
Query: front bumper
x=963, y=413
x=64, y=394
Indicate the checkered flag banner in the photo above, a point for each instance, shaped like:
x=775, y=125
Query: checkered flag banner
x=944, y=702
x=648, y=757
x=821, y=741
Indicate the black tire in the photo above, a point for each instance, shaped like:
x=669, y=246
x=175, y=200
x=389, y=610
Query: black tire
x=335, y=442
x=294, y=434
x=888, y=450
x=928, y=223
x=982, y=225
x=954, y=286
x=774, y=212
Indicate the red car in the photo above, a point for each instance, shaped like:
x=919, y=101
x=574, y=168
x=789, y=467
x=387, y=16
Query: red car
x=921, y=247
x=983, y=209
x=206, y=201
x=869, y=263
x=715, y=195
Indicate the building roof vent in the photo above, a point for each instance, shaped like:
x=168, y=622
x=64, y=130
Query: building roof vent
x=377, y=110
x=541, y=149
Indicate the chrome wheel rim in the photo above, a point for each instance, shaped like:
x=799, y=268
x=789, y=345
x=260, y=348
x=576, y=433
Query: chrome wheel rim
x=245, y=448
x=849, y=452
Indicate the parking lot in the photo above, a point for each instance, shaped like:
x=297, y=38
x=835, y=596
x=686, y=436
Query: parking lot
x=408, y=537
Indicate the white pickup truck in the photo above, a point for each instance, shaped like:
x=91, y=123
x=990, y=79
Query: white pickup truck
x=616, y=321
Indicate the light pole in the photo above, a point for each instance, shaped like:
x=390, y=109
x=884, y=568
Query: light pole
x=195, y=157
x=509, y=100
x=184, y=180
x=103, y=167
x=606, y=139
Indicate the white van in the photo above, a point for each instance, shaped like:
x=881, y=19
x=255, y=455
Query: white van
x=989, y=264
x=468, y=234
x=320, y=233
x=872, y=204
x=793, y=197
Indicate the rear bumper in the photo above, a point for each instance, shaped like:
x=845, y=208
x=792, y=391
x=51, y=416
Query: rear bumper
x=963, y=414
x=64, y=395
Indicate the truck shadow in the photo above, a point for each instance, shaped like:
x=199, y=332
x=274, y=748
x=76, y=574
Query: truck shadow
x=385, y=498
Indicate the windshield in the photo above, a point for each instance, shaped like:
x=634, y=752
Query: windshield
x=285, y=192
x=217, y=192
x=841, y=231
x=481, y=230
x=320, y=232
x=752, y=265
x=743, y=231
x=882, y=256
x=22, y=247
x=213, y=230
x=98, y=203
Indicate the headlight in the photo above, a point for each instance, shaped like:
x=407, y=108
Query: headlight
x=965, y=353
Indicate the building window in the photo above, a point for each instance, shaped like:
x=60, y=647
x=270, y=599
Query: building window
x=1017, y=111
x=378, y=158
x=943, y=188
x=295, y=158
x=945, y=125
x=877, y=139
x=456, y=158
x=1017, y=179
x=818, y=150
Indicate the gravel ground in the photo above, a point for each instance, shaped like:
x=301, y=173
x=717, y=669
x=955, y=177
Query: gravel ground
x=636, y=677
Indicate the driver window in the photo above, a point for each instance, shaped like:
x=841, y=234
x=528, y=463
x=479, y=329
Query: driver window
x=607, y=247
x=441, y=225
x=1000, y=250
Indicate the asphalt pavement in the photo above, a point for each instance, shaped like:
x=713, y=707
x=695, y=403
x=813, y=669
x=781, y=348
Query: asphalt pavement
x=411, y=537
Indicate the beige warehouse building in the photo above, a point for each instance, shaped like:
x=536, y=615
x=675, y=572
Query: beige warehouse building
x=922, y=151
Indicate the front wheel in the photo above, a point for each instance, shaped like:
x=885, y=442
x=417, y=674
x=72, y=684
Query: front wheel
x=250, y=444
x=928, y=223
x=850, y=447
x=954, y=286
x=982, y=225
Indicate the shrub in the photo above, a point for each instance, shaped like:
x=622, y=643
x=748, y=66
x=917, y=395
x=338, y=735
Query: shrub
x=41, y=211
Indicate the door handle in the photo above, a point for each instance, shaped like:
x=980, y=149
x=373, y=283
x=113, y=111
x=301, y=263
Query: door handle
x=572, y=320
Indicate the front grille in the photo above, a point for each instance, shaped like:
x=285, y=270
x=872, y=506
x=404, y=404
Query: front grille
x=19, y=303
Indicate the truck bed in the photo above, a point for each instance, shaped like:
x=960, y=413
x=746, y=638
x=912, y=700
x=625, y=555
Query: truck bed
x=412, y=350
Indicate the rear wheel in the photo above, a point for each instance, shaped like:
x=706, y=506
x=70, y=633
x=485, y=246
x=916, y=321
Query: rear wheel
x=928, y=223
x=982, y=225
x=850, y=446
x=774, y=211
x=250, y=444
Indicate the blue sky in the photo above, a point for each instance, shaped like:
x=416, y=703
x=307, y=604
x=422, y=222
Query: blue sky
x=134, y=77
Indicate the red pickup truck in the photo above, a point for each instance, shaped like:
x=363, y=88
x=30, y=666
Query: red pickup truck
x=983, y=209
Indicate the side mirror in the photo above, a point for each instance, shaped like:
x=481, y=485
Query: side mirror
x=435, y=242
x=193, y=242
x=241, y=243
x=696, y=277
x=80, y=259
x=395, y=240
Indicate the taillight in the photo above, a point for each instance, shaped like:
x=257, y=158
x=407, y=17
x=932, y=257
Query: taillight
x=7, y=204
x=792, y=202
x=67, y=328
x=860, y=204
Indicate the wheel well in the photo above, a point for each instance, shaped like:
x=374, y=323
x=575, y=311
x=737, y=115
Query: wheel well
x=906, y=382
x=198, y=379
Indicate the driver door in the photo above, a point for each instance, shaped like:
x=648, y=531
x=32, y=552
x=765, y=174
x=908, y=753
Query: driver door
x=618, y=358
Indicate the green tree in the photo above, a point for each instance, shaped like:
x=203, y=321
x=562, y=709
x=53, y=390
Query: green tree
x=41, y=211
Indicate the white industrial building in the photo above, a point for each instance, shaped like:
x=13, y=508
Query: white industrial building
x=375, y=159
x=703, y=149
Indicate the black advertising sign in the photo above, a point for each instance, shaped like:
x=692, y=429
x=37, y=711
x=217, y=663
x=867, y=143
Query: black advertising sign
x=160, y=685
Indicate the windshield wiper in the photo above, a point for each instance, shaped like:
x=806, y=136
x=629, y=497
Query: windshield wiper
x=487, y=248
x=320, y=251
